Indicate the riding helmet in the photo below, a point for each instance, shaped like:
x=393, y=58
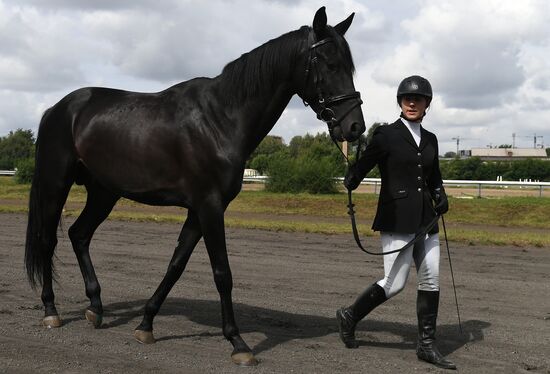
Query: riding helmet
x=415, y=85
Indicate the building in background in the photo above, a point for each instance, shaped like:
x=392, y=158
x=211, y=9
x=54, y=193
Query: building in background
x=504, y=153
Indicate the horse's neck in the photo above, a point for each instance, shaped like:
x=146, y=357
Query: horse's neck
x=265, y=114
x=258, y=86
x=252, y=119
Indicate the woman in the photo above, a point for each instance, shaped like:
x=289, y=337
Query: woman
x=407, y=156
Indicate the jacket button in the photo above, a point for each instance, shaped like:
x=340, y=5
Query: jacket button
x=419, y=165
x=419, y=154
x=419, y=189
x=419, y=178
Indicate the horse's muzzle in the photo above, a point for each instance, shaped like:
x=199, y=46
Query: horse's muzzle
x=355, y=131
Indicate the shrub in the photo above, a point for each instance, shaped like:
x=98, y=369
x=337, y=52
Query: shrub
x=260, y=163
x=25, y=170
x=15, y=146
x=302, y=174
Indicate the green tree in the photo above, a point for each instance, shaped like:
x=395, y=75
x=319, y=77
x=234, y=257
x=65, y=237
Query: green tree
x=475, y=169
x=450, y=154
x=316, y=147
x=25, y=170
x=301, y=144
x=309, y=164
x=528, y=169
x=17, y=145
x=302, y=174
x=268, y=146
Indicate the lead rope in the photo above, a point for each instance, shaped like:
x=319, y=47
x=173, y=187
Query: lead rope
x=417, y=237
x=351, y=212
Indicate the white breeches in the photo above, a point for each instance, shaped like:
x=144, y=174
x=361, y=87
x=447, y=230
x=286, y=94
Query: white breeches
x=397, y=265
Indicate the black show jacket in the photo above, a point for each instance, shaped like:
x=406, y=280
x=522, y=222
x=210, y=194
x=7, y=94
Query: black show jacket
x=409, y=174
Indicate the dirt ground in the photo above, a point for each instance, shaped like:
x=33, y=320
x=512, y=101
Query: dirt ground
x=286, y=290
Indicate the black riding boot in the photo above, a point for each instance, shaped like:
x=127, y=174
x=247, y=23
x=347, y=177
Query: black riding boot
x=427, y=303
x=347, y=318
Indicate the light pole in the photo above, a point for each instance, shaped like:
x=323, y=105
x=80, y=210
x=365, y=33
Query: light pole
x=457, y=144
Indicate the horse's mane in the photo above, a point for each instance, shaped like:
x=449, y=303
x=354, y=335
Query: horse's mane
x=262, y=67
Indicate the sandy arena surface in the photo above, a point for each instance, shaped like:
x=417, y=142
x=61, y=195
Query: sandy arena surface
x=286, y=290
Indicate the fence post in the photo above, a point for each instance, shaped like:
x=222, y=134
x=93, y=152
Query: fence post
x=479, y=190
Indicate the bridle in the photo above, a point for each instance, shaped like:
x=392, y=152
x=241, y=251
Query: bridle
x=326, y=114
x=323, y=105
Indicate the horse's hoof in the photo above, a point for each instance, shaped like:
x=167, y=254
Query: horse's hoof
x=244, y=359
x=93, y=318
x=144, y=337
x=52, y=322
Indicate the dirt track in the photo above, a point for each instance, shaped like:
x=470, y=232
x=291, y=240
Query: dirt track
x=286, y=290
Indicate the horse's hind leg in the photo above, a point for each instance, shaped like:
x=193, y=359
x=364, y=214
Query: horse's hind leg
x=188, y=239
x=99, y=204
x=54, y=196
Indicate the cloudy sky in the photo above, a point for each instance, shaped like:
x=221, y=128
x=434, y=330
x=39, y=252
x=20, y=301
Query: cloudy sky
x=488, y=61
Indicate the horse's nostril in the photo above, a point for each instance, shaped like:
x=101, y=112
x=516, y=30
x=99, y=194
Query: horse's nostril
x=354, y=128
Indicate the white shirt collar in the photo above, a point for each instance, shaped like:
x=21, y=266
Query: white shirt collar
x=414, y=129
x=411, y=124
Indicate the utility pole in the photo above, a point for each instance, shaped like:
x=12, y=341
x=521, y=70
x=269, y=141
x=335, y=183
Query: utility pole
x=535, y=140
x=345, y=148
x=534, y=137
x=514, y=140
x=457, y=144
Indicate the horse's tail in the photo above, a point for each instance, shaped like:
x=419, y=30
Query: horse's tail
x=51, y=183
x=33, y=255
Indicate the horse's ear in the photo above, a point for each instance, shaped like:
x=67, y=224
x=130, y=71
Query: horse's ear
x=320, y=21
x=343, y=26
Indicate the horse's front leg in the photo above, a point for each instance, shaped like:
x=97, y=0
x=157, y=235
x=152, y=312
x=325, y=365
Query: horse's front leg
x=212, y=224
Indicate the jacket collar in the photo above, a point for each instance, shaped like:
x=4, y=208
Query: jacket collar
x=423, y=138
x=406, y=134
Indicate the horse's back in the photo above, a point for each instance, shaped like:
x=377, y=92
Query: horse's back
x=100, y=106
x=138, y=143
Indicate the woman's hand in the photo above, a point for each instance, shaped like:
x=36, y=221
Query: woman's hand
x=441, y=201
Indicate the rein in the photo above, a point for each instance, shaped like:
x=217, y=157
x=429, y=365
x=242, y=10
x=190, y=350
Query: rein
x=326, y=114
x=419, y=236
x=351, y=212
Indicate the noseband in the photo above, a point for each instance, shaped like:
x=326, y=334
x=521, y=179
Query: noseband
x=323, y=106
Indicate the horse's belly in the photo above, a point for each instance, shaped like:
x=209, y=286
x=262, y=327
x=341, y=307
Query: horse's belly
x=158, y=198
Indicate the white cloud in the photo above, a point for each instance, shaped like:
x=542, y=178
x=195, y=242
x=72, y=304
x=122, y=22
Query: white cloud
x=470, y=52
x=487, y=61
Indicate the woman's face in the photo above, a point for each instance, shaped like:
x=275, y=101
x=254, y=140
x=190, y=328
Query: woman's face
x=413, y=107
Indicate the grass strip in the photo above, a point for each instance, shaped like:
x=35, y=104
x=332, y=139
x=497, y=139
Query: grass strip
x=525, y=212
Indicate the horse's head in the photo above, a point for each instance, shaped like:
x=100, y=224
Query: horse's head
x=328, y=87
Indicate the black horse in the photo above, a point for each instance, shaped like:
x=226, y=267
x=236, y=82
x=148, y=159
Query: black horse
x=184, y=146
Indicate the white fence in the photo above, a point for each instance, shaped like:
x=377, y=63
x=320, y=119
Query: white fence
x=478, y=184
x=457, y=183
x=540, y=186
